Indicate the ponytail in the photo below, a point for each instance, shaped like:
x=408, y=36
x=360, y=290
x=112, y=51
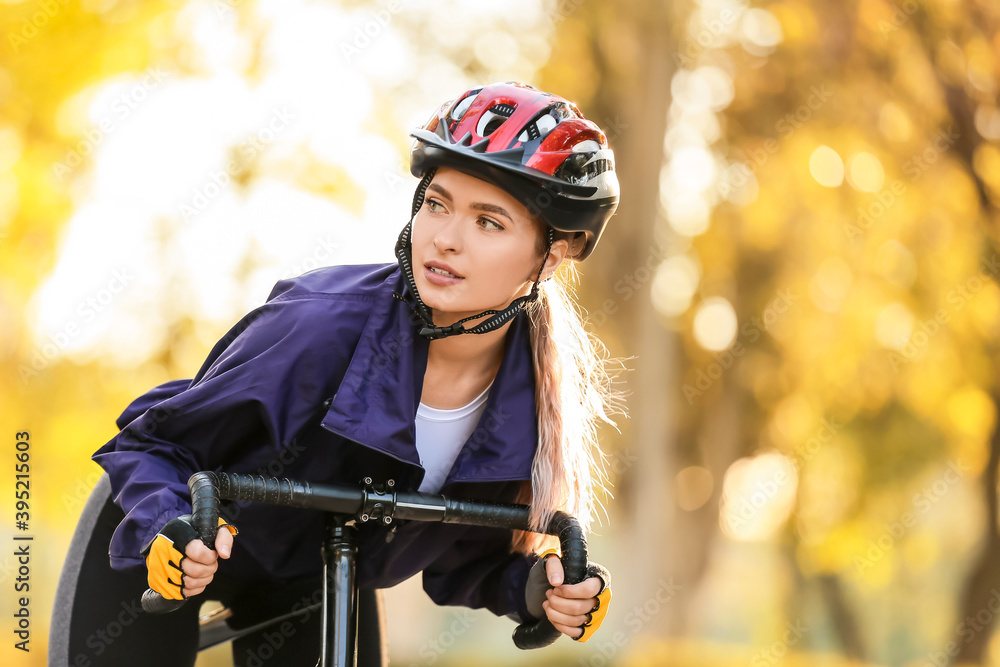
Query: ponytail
x=573, y=393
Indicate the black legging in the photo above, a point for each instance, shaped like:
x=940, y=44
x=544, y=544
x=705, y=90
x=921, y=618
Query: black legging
x=97, y=619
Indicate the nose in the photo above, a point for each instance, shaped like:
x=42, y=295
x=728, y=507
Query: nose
x=448, y=236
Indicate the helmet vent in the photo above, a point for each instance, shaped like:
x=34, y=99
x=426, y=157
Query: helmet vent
x=538, y=128
x=493, y=118
x=462, y=107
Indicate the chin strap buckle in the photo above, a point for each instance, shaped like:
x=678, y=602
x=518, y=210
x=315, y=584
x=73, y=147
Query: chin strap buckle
x=433, y=333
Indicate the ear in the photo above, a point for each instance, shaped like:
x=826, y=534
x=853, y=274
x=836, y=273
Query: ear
x=556, y=256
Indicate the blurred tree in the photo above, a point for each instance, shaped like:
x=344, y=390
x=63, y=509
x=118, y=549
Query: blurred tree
x=616, y=62
x=963, y=52
x=852, y=232
x=880, y=372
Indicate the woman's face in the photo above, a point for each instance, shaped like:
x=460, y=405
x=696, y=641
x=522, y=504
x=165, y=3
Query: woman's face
x=480, y=234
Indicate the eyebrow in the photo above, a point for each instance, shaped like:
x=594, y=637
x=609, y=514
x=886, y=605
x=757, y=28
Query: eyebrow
x=478, y=206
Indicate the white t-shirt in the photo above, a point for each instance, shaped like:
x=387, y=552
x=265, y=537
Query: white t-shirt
x=440, y=437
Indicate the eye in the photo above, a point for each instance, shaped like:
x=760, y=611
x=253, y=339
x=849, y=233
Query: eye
x=434, y=206
x=490, y=221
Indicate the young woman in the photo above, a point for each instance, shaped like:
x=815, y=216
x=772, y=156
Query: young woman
x=354, y=371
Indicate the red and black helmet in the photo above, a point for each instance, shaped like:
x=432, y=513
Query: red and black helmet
x=536, y=145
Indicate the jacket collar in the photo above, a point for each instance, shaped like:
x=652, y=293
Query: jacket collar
x=377, y=401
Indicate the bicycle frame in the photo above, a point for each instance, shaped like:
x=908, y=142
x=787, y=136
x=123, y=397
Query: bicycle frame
x=344, y=504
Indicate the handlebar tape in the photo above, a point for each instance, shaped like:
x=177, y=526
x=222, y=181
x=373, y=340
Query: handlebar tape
x=205, y=506
x=573, y=544
x=154, y=603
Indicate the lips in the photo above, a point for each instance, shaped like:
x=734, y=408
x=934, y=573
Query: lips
x=441, y=266
x=432, y=276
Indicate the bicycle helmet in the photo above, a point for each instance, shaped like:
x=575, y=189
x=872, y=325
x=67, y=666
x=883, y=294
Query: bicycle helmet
x=535, y=145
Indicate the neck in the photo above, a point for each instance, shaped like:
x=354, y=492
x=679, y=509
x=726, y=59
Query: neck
x=476, y=354
x=473, y=352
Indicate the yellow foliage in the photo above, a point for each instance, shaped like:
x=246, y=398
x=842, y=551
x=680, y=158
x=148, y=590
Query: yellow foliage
x=798, y=22
x=971, y=412
x=987, y=165
x=920, y=552
x=762, y=224
x=848, y=250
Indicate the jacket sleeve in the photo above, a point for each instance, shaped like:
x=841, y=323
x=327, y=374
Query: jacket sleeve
x=479, y=570
x=260, y=384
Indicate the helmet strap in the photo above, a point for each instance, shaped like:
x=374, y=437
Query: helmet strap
x=404, y=254
x=430, y=331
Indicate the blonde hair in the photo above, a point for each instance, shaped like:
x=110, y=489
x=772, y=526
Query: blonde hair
x=574, y=393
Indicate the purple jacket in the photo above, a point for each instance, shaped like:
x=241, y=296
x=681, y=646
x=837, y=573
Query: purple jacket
x=321, y=383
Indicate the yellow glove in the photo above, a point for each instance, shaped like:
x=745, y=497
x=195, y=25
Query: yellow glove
x=165, y=553
x=598, y=613
x=538, y=583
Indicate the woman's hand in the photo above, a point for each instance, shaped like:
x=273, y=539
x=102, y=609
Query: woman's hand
x=202, y=563
x=570, y=606
x=178, y=563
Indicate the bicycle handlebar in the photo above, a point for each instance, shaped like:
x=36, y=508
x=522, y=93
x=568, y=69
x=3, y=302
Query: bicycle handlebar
x=208, y=488
x=204, y=518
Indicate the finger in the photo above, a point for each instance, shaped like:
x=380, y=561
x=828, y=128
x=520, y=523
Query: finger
x=572, y=620
x=568, y=630
x=554, y=570
x=198, y=570
x=572, y=606
x=199, y=553
x=197, y=582
x=188, y=592
x=588, y=588
x=224, y=543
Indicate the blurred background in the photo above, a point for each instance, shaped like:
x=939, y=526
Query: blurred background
x=802, y=276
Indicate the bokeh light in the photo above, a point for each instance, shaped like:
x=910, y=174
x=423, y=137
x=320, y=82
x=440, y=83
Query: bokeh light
x=694, y=487
x=865, y=172
x=826, y=167
x=715, y=324
x=894, y=326
x=758, y=494
x=674, y=284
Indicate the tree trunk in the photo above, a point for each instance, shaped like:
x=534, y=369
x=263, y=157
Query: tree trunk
x=844, y=623
x=719, y=444
x=985, y=576
x=653, y=431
